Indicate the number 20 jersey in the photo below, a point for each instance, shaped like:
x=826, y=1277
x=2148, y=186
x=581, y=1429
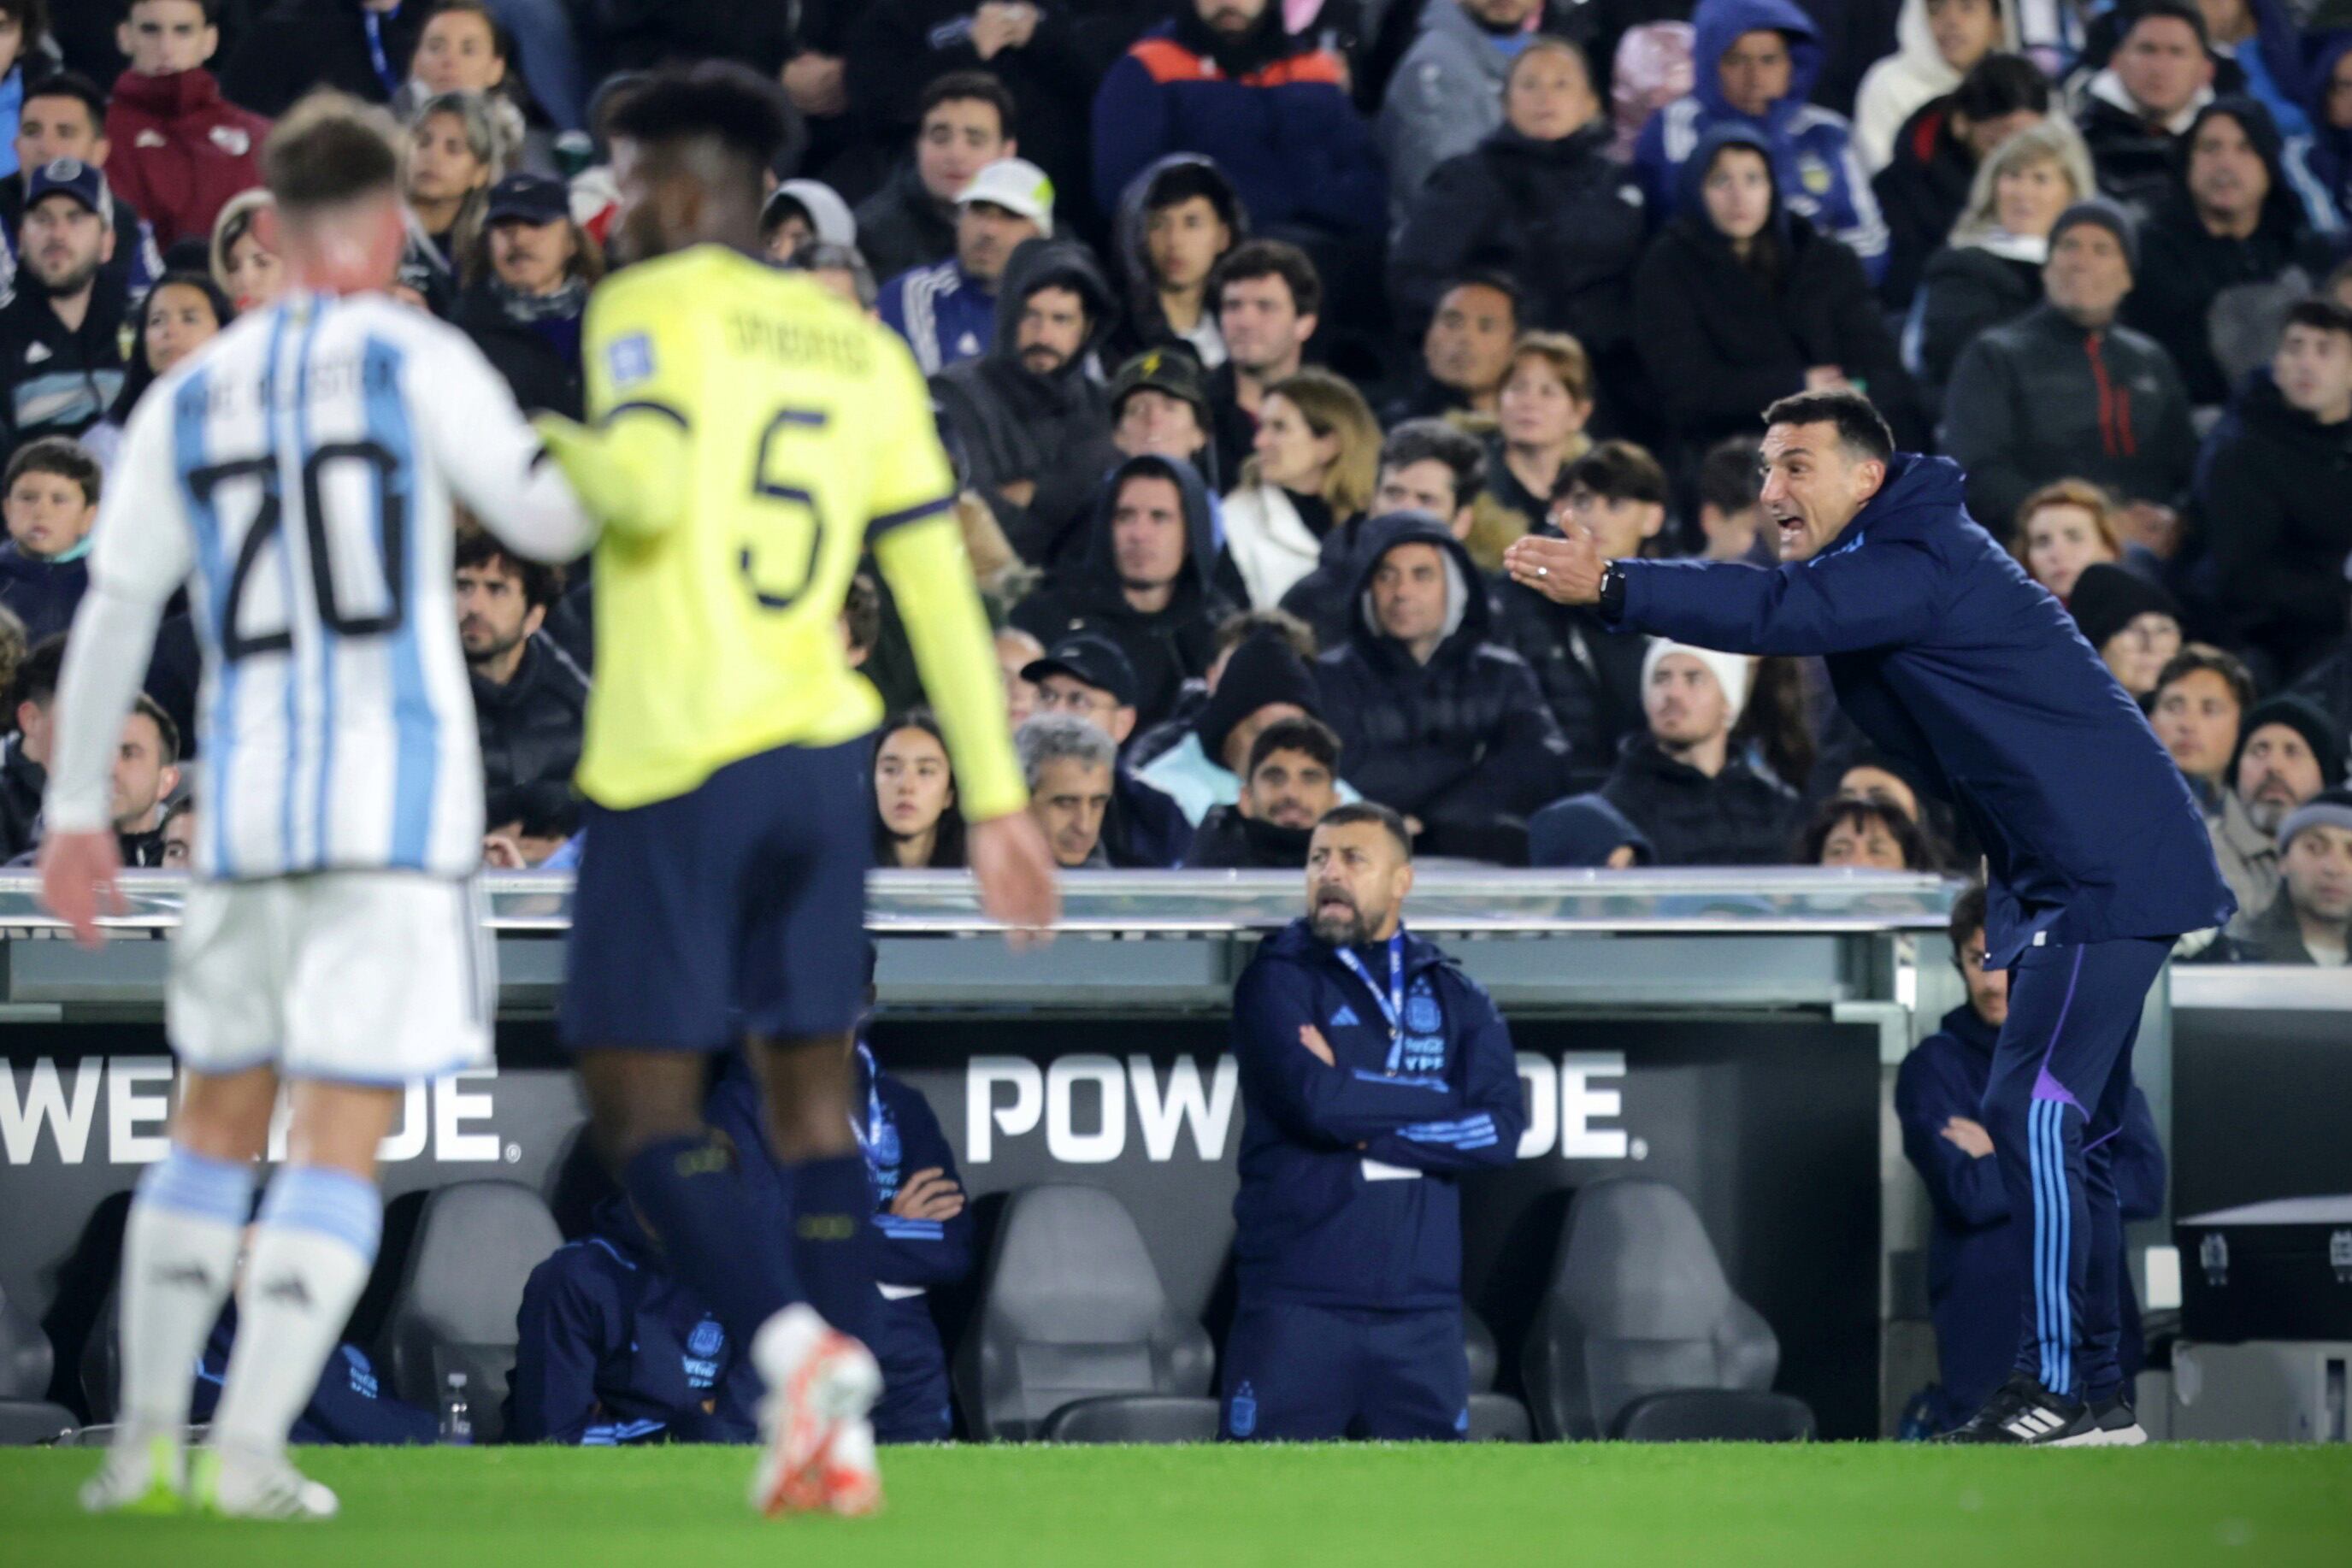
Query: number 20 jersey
x=298, y=476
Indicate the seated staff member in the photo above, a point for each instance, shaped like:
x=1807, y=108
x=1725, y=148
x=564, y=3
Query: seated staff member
x=1375, y=1073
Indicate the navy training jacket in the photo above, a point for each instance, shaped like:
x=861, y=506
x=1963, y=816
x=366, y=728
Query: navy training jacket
x=349, y=1406
x=1947, y=655
x=1350, y=1193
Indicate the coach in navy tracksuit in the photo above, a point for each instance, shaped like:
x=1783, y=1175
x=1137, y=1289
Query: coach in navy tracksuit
x=1374, y=1074
x=921, y=1236
x=1945, y=654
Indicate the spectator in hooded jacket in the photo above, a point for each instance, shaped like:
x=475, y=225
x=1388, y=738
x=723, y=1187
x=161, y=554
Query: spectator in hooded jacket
x=1224, y=79
x=2065, y=389
x=1263, y=683
x=61, y=334
x=1311, y=475
x=1426, y=466
x=2132, y=623
x=64, y=116
x=50, y=498
x=2288, y=751
x=1086, y=677
x=2136, y=112
x=1447, y=93
x=2259, y=40
x=2309, y=921
x=2275, y=496
x=530, y=699
x=1741, y=299
x=1291, y=779
x=1755, y=63
x=1695, y=799
x=532, y=268
x=1176, y=221
x=1991, y=271
x=179, y=149
x=1937, y=44
x=1147, y=746
x=964, y=123
x=1925, y=188
x=1033, y=425
x=946, y=312
x=1539, y=201
x=1144, y=581
x=1439, y=722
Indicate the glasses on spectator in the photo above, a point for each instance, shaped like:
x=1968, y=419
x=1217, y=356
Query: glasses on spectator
x=1079, y=699
x=2150, y=633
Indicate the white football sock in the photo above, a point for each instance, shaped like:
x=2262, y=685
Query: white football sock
x=311, y=1261
x=179, y=1257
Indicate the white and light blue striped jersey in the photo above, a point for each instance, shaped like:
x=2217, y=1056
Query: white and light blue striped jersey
x=298, y=476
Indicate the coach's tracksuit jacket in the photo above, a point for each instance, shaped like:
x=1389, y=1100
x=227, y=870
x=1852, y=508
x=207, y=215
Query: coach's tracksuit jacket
x=349, y=1406
x=900, y=1135
x=612, y=1347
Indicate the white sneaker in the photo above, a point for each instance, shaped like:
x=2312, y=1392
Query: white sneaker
x=817, y=1446
x=235, y=1485
x=142, y=1474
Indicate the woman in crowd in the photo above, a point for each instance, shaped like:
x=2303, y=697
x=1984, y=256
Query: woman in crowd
x=2062, y=529
x=1857, y=830
x=916, y=824
x=1545, y=404
x=463, y=49
x=1316, y=464
x=1991, y=270
x=180, y=314
x=453, y=161
x=1740, y=301
x=247, y=272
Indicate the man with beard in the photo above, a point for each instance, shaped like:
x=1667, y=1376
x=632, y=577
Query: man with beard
x=2309, y=919
x=1034, y=427
x=1375, y=1074
x=531, y=700
x=2288, y=751
x=947, y=312
x=60, y=336
x=1293, y=779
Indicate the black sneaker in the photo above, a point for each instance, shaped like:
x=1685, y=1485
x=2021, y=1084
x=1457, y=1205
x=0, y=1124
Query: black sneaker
x=2024, y=1413
x=2118, y=1425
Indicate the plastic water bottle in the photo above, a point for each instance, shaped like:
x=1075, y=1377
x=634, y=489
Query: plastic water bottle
x=457, y=1423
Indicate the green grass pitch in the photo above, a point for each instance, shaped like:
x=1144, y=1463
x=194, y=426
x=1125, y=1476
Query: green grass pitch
x=1607, y=1506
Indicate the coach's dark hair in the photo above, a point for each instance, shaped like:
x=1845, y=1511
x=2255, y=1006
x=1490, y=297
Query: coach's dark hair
x=1255, y=258
x=329, y=150
x=1861, y=429
x=1434, y=440
x=1968, y=918
x=718, y=100
x=1866, y=811
x=479, y=548
x=1355, y=811
x=1309, y=735
x=2321, y=313
x=971, y=87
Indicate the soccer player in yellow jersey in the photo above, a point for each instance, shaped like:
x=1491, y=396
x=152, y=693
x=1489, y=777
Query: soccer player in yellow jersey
x=752, y=436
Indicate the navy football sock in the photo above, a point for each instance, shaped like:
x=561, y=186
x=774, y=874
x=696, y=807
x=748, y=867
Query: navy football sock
x=708, y=1226
x=833, y=1212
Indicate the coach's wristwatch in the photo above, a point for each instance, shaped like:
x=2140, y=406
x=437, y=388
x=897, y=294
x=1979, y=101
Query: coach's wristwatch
x=1613, y=592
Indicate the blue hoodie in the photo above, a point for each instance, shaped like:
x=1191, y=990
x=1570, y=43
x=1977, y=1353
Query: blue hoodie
x=1945, y=654
x=1351, y=1174
x=1812, y=149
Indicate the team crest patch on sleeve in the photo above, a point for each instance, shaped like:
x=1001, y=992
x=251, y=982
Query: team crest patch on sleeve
x=630, y=361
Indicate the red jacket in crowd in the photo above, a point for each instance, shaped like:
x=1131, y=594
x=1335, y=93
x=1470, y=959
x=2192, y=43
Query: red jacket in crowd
x=181, y=150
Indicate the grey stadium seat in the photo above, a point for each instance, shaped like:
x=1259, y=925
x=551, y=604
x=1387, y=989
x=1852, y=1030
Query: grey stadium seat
x=1494, y=1417
x=1639, y=1335
x=26, y=1361
x=477, y=1243
x=1071, y=1310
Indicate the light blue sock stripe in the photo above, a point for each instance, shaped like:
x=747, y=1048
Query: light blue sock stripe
x=331, y=1203
x=193, y=1184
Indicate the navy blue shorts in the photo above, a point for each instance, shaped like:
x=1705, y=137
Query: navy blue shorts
x=1303, y=1373
x=736, y=909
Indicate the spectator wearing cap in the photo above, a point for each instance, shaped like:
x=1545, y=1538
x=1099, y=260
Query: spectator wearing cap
x=64, y=116
x=2309, y=921
x=1087, y=678
x=2202, y=698
x=1426, y=466
x=181, y=150
x=1264, y=682
x=2288, y=751
x=61, y=332
x=1466, y=352
x=1227, y=80
x=1160, y=407
x=2136, y=112
x=948, y=311
x=963, y=124
x=1439, y=722
x=1176, y=221
x=2132, y=623
x=1311, y=475
x=2231, y=247
x=1290, y=778
x=1071, y=769
x=1924, y=189
x=2066, y=390
x=804, y=211
x=1144, y=581
x=1586, y=832
x=1682, y=783
x=2274, y=495
x=531, y=272
x=1034, y=424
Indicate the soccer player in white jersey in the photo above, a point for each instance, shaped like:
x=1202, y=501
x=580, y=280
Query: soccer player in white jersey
x=297, y=477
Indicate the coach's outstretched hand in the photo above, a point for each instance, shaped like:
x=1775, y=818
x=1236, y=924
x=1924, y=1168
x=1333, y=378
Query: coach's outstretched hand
x=1565, y=571
x=1016, y=873
x=78, y=882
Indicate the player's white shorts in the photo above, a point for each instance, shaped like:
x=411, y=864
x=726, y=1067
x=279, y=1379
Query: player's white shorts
x=369, y=977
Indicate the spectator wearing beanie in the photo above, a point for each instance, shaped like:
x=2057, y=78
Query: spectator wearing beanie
x=1696, y=800
x=533, y=268
x=2132, y=624
x=1585, y=831
x=2309, y=921
x=1264, y=683
x=800, y=213
x=2136, y=112
x=2066, y=391
x=180, y=149
x=2288, y=751
x=1925, y=189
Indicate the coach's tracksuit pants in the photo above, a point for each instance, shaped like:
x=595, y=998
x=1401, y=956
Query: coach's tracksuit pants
x=2061, y=1081
x=1301, y=1373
